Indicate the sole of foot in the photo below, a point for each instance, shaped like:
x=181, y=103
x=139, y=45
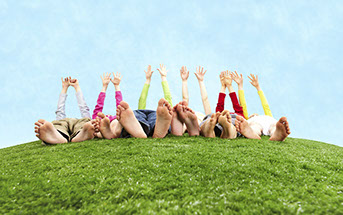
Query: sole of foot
x=86, y=133
x=46, y=132
x=128, y=120
x=163, y=119
x=229, y=130
x=282, y=130
x=243, y=127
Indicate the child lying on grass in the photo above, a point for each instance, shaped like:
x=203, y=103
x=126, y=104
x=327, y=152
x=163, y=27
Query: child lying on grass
x=258, y=125
x=112, y=122
x=63, y=129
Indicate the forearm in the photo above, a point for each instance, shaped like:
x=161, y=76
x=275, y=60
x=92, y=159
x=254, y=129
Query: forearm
x=204, y=98
x=166, y=91
x=64, y=90
x=99, y=104
x=60, y=112
x=185, y=95
x=230, y=88
x=235, y=104
x=222, y=89
x=265, y=104
x=119, y=98
x=243, y=103
x=144, y=95
x=84, y=109
x=221, y=102
x=104, y=88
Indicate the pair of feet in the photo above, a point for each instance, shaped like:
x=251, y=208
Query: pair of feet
x=282, y=129
x=46, y=132
x=225, y=120
x=182, y=114
x=128, y=121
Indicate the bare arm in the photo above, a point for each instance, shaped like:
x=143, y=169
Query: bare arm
x=184, y=76
x=200, y=76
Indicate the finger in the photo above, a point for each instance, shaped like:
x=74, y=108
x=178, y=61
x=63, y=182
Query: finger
x=205, y=72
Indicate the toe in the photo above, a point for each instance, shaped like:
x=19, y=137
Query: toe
x=124, y=105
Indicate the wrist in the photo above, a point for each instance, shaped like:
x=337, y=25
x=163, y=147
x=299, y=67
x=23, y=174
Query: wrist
x=148, y=80
x=258, y=88
x=104, y=88
x=77, y=88
x=222, y=89
x=164, y=78
x=240, y=86
x=64, y=90
x=184, y=81
x=230, y=88
x=117, y=87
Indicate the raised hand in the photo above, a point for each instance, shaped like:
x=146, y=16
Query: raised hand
x=237, y=78
x=116, y=79
x=228, y=78
x=184, y=73
x=163, y=71
x=222, y=79
x=74, y=83
x=254, y=81
x=200, y=73
x=65, y=82
x=148, y=73
x=106, y=78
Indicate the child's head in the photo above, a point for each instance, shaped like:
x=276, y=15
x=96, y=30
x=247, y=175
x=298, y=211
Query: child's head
x=252, y=115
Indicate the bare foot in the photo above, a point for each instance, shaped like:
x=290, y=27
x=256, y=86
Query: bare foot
x=128, y=120
x=282, y=130
x=46, y=132
x=176, y=124
x=86, y=133
x=207, y=129
x=96, y=125
x=116, y=128
x=243, y=127
x=229, y=130
x=188, y=117
x=164, y=115
x=104, y=126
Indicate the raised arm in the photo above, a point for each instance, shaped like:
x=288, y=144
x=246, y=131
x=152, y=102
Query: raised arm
x=200, y=76
x=167, y=95
x=235, y=104
x=106, y=78
x=116, y=81
x=184, y=76
x=265, y=105
x=222, y=95
x=84, y=109
x=239, y=80
x=60, y=112
x=144, y=94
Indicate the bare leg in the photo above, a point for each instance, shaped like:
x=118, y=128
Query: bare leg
x=163, y=119
x=229, y=130
x=46, y=132
x=243, y=127
x=176, y=124
x=207, y=129
x=86, y=133
x=128, y=120
x=188, y=116
x=282, y=130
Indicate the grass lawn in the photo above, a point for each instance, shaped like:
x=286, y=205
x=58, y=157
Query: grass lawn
x=172, y=175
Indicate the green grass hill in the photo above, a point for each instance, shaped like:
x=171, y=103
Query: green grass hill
x=173, y=175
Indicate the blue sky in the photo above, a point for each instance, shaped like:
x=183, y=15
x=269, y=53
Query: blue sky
x=294, y=47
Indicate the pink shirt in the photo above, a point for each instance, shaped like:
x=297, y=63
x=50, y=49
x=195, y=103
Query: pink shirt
x=100, y=104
